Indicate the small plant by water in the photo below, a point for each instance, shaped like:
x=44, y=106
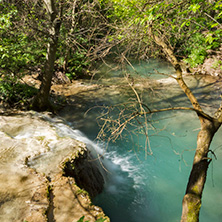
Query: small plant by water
x=99, y=220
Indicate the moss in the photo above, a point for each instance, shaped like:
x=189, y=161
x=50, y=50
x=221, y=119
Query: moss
x=217, y=64
x=195, y=189
x=82, y=191
x=193, y=211
x=49, y=191
x=101, y=218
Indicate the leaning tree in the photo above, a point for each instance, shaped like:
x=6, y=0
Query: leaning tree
x=181, y=31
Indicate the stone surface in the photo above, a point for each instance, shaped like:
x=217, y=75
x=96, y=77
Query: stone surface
x=32, y=185
x=86, y=173
x=213, y=66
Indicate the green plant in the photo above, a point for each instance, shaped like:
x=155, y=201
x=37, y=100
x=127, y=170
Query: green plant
x=81, y=219
x=18, y=50
x=12, y=91
x=99, y=220
x=49, y=191
x=196, y=50
x=217, y=64
x=73, y=59
x=81, y=191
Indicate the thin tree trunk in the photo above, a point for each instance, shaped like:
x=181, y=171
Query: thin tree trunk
x=41, y=101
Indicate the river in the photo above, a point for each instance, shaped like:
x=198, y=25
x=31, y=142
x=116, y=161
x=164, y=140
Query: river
x=141, y=187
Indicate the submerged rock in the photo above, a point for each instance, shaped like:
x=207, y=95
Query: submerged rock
x=33, y=185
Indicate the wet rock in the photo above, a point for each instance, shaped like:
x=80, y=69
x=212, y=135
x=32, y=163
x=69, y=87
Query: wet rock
x=86, y=173
x=32, y=185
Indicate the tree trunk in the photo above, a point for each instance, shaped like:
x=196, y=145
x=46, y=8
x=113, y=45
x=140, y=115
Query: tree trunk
x=192, y=199
x=41, y=101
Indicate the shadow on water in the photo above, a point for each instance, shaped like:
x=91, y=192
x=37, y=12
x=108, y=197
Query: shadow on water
x=84, y=108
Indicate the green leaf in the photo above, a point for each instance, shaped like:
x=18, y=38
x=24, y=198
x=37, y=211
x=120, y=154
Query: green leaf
x=183, y=24
x=209, y=39
x=150, y=17
x=188, y=23
x=101, y=220
x=81, y=219
x=194, y=8
x=214, y=25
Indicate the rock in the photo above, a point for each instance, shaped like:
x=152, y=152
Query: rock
x=213, y=66
x=32, y=183
x=86, y=173
x=71, y=203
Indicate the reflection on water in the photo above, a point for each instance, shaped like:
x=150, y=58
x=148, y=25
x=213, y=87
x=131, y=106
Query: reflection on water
x=151, y=188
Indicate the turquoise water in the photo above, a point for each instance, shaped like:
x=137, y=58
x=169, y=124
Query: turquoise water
x=152, y=188
x=141, y=187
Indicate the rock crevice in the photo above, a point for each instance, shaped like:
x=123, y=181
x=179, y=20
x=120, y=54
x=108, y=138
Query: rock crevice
x=86, y=173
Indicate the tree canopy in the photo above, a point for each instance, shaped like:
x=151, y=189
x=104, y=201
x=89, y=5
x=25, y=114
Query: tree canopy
x=189, y=27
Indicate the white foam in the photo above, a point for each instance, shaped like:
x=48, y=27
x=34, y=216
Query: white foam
x=123, y=164
x=115, y=164
x=122, y=172
x=66, y=131
x=25, y=135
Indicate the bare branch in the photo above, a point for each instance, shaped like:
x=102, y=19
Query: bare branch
x=213, y=19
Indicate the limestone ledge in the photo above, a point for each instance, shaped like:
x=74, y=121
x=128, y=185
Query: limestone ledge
x=59, y=192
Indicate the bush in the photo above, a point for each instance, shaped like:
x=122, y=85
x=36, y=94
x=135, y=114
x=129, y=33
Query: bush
x=13, y=92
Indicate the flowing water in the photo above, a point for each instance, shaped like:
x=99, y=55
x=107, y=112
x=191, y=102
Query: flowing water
x=141, y=187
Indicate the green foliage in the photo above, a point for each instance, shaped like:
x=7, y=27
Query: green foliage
x=196, y=56
x=71, y=55
x=77, y=64
x=14, y=59
x=24, y=35
x=17, y=50
x=13, y=92
x=189, y=27
x=196, y=49
x=81, y=219
x=198, y=44
x=10, y=53
x=217, y=64
x=99, y=220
